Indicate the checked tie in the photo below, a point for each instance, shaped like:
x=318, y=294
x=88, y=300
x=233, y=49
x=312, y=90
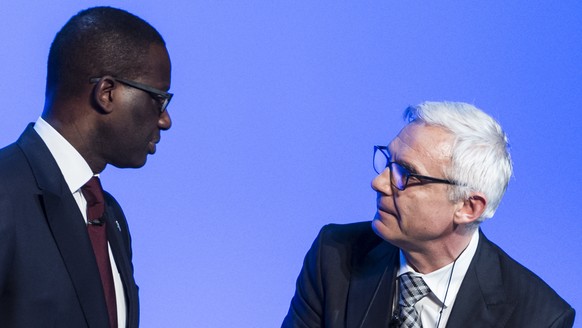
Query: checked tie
x=93, y=193
x=412, y=290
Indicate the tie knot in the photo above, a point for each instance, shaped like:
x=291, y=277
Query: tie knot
x=412, y=289
x=92, y=191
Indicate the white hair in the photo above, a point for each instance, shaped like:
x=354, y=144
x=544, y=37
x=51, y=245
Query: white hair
x=480, y=155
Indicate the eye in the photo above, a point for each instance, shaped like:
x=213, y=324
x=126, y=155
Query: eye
x=413, y=179
x=409, y=168
x=405, y=168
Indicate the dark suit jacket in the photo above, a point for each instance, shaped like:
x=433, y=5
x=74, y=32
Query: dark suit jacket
x=349, y=274
x=48, y=273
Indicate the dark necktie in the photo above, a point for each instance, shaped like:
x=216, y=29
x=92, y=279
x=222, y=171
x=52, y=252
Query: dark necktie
x=412, y=290
x=93, y=193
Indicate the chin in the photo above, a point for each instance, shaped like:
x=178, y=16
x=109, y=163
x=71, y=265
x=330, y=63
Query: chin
x=130, y=164
x=384, y=229
x=379, y=227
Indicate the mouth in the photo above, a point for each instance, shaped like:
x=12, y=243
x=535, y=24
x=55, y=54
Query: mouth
x=385, y=204
x=152, y=146
x=380, y=207
x=384, y=211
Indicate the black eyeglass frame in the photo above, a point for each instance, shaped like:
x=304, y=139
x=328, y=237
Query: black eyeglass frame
x=422, y=178
x=164, y=96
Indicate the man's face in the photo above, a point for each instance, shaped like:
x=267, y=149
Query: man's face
x=134, y=129
x=422, y=212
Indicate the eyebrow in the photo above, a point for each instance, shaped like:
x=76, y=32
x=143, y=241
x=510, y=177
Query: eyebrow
x=408, y=166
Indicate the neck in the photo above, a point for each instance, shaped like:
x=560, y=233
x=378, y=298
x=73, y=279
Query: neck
x=79, y=134
x=437, y=254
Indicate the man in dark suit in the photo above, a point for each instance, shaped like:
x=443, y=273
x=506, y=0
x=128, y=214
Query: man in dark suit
x=423, y=261
x=106, y=99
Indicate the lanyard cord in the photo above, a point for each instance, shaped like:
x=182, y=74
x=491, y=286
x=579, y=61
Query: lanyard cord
x=446, y=293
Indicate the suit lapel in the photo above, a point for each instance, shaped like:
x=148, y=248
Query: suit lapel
x=371, y=288
x=122, y=261
x=481, y=301
x=67, y=227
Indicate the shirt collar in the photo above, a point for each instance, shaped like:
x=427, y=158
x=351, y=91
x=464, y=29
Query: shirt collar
x=73, y=166
x=438, y=280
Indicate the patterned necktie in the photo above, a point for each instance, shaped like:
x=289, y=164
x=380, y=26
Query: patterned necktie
x=93, y=193
x=412, y=290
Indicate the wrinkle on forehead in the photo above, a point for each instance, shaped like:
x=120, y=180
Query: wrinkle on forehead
x=423, y=146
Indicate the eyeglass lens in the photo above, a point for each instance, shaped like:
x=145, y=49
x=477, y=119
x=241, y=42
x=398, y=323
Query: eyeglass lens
x=398, y=174
x=380, y=160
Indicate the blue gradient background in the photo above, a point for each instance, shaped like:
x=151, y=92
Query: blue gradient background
x=277, y=107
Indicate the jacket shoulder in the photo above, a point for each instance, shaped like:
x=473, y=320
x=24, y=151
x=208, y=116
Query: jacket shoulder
x=350, y=244
x=11, y=159
x=349, y=233
x=533, y=297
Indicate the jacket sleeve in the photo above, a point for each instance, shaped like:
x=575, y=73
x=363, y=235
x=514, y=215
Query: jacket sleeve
x=6, y=239
x=306, y=310
x=566, y=320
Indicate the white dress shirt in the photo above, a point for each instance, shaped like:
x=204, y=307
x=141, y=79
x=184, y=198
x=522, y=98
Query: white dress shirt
x=77, y=172
x=439, y=281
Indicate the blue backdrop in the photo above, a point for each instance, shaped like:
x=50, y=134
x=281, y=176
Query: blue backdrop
x=277, y=107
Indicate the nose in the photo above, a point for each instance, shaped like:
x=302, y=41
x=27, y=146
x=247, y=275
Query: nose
x=165, y=122
x=381, y=183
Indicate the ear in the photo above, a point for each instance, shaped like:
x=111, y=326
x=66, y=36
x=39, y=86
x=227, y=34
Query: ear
x=471, y=209
x=104, y=93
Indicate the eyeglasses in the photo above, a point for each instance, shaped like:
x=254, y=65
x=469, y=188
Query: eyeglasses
x=162, y=96
x=400, y=177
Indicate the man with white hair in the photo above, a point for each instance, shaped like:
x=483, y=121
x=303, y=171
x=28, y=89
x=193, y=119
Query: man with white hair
x=423, y=261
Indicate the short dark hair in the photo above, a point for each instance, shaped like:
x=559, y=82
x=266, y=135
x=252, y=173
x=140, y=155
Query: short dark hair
x=95, y=42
